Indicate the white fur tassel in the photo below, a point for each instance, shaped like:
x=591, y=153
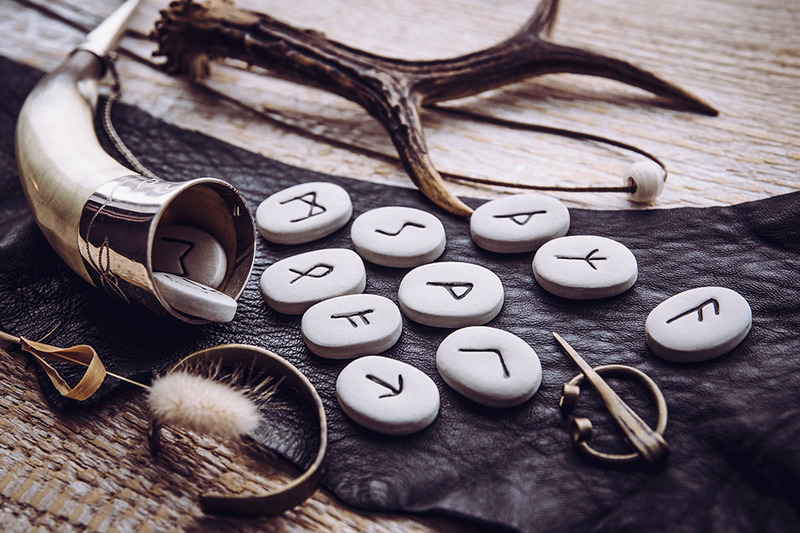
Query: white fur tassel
x=203, y=405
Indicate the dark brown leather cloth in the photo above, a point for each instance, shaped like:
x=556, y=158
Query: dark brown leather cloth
x=734, y=422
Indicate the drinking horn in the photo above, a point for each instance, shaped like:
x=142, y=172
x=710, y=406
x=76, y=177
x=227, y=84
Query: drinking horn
x=103, y=218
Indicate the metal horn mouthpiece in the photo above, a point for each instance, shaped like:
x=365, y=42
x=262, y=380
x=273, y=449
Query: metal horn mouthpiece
x=104, y=220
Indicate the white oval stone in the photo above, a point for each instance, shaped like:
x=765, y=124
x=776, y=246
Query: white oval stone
x=194, y=299
x=191, y=253
x=351, y=326
x=585, y=267
x=400, y=237
x=387, y=395
x=518, y=223
x=490, y=366
x=451, y=295
x=304, y=213
x=698, y=324
x=294, y=284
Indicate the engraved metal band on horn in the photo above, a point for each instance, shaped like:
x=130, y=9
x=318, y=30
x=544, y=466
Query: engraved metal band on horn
x=119, y=220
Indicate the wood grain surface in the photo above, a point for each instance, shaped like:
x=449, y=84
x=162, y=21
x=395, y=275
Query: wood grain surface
x=91, y=471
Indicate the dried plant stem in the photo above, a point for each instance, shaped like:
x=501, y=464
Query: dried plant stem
x=116, y=376
x=95, y=374
x=9, y=338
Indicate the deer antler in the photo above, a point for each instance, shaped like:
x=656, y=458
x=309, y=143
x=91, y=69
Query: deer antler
x=391, y=90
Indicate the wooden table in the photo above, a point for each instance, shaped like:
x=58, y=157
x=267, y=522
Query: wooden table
x=91, y=470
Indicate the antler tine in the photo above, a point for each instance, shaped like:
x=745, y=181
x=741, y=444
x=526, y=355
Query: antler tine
x=542, y=21
x=521, y=58
x=527, y=54
x=567, y=59
x=405, y=130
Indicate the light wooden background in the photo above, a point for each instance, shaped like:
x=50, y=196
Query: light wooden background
x=91, y=471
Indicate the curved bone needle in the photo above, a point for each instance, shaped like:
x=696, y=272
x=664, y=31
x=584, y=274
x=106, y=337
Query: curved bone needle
x=650, y=445
x=391, y=90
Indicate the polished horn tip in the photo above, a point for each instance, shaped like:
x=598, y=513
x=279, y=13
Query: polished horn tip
x=103, y=39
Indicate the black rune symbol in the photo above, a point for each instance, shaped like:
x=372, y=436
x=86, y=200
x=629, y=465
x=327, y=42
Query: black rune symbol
x=394, y=390
x=404, y=226
x=589, y=258
x=523, y=218
x=457, y=290
x=189, y=247
x=698, y=310
x=506, y=373
x=314, y=208
x=351, y=317
x=317, y=271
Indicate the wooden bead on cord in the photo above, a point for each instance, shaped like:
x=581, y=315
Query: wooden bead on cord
x=648, y=178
